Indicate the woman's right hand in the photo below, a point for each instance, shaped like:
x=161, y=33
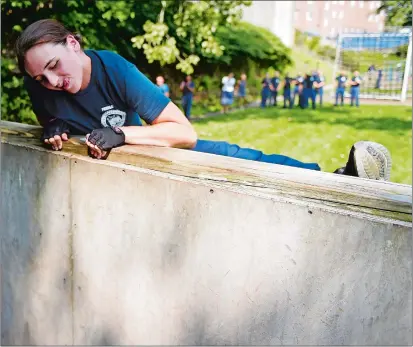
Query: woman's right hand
x=54, y=133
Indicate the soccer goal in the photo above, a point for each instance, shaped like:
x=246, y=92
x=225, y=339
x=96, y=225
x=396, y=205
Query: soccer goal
x=383, y=61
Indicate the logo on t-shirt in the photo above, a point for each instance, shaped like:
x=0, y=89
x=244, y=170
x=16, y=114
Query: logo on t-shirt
x=112, y=117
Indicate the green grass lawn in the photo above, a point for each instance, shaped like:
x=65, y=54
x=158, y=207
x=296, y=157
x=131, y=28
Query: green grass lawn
x=323, y=136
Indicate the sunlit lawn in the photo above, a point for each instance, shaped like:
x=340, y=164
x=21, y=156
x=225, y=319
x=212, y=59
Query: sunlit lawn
x=323, y=136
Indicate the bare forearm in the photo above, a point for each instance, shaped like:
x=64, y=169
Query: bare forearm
x=168, y=134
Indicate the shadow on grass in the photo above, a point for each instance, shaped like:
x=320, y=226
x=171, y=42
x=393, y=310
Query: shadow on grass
x=327, y=115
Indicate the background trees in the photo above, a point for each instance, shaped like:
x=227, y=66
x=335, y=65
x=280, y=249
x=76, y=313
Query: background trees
x=176, y=37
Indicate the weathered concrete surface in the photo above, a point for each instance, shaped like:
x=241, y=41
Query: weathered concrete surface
x=35, y=248
x=159, y=258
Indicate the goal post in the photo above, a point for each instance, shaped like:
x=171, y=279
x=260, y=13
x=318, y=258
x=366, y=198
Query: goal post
x=382, y=59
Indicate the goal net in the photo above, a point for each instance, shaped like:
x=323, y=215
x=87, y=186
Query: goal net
x=383, y=61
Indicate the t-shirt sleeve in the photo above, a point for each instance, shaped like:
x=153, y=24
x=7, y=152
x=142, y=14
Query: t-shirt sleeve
x=143, y=96
x=38, y=100
x=166, y=89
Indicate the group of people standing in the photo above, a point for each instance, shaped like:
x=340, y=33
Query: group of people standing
x=303, y=87
x=230, y=87
x=297, y=90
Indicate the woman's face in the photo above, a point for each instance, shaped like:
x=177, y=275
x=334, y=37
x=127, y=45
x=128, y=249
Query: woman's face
x=56, y=67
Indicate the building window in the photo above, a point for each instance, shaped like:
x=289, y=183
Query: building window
x=353, y=3
x=378, y=3
x=325, y=22
x=334, y=14
x=345, y=30
x=376, y=18
x=309, y=2
x=370, y=18
x=381, y=27
x=361, y=4
x=341, y=3
x=352, y=30
x=371, y=5
x=327, y=5
x=341, y=15
x=334, y=2
x=332, y=31
x=308, y=16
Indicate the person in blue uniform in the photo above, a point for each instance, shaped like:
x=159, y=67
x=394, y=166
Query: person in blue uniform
x=340, y=87
x=319, y=86
x=286, y=86
x=308, y=91
x=355, y=89
x=160, y=82
x=266, y=89
x=99, y=94
x=379, y=78
x=275, y=82
x=242, y=90
x=187, y=87
x=298, y=87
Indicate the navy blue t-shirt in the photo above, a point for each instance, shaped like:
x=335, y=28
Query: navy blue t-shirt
x=356, y=79
x=275, y=81
x=319, y=79
x=309, y=82
x=341, y=80
x=118, y=94
x=287, y=84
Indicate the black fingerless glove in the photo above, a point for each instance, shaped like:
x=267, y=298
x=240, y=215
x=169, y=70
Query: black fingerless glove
x=55, y=127
x=107, y=138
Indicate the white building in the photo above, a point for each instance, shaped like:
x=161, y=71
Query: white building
x=276, y=16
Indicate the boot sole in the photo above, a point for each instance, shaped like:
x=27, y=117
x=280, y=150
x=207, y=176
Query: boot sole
x=372, y=160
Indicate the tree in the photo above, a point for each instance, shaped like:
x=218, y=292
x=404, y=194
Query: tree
x=398, y=12
x=193, y=21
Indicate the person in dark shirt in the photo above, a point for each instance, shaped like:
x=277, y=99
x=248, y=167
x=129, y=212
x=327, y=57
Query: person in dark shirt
x=379, y=77
x=319, y=86
x=288, y=81
x=298, y=87
x=242, y=90
x=188, y=87
x=266, y=90
x=101, y=95
x=355, y=88
x=308, y=91
x=275, y=82
x=341, y=87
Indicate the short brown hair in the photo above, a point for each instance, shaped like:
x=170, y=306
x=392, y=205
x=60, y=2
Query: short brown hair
x=42, y=31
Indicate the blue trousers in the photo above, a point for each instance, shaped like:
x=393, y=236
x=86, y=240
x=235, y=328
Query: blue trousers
x=234, y=151
x=187, y=105
x=265, y=95
x=295, y=92
x=340, y=93
x=320, y=92
x=274, y=98
x=287, y=97
x=355, y=91
x=308, y=93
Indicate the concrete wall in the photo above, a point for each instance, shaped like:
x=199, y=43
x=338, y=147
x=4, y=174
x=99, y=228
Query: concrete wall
x=97, y=252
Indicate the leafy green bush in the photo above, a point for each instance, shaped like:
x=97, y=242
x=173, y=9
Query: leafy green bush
x=247, y=41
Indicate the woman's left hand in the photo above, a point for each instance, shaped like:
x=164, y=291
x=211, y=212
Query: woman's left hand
x=94, y=150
